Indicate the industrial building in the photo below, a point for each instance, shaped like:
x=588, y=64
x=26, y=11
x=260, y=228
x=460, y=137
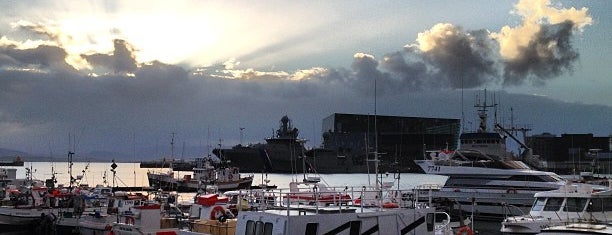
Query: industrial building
x=573, y=153
x=400, y=139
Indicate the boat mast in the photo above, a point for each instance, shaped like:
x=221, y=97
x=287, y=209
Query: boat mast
x=378, y=182
x=172, y=147
x=70, y=155
x=482, y=113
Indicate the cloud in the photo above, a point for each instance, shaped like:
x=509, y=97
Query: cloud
x=540, y=48
x=122, y=60
x=447, y=56
x=110, y=95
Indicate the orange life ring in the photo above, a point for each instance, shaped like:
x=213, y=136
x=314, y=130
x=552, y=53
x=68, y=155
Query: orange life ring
x=129, y=219
x=215, y=211
x=465, y=230
x=511, y=190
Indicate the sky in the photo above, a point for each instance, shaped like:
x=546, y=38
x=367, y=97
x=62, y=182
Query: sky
x=122, y=76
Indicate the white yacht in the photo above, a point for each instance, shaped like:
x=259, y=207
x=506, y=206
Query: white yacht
x=484, y=178
x=569, y=204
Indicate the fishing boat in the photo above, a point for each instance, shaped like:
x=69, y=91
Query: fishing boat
x=143, y=219
x=204, y=176
x=569, y=204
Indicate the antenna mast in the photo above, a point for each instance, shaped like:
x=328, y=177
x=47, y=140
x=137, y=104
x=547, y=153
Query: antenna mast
x=378, y=183
x=482, y=113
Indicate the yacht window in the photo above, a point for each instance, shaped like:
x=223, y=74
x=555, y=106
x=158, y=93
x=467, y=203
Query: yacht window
x=268, y=228
x=250, y=228
x=600, y=205
x=259, y=228
x=539, y=204
x=607, y=204
x=596, y=205
x=553, y=204
x=575, y=204
x=311, y=229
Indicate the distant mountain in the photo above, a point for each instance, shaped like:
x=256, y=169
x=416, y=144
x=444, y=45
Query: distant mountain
x=12, y=153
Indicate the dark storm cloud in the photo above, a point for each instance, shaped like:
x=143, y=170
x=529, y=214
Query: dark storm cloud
x=122, y=60
x=448, y=57
x=462, y=59
x=549, y=54
x=41, y=57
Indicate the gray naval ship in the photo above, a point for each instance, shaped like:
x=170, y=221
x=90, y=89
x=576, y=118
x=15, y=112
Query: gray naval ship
x=286, y=153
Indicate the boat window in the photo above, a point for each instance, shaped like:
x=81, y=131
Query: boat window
x=268, y=228
x=430, y=222
x=259, y=228
x=311, y=229
x=539, y=204
x=250, y=228
x=607, y=204
x=600, y=205
x=553, y=204
x=575, y=204
x=355, y=227
x=537, y=178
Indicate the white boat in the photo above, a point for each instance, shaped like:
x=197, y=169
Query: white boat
x=566, y=205
x=285, y=217
x=144, y=219
x=115, y=208
x=489, y=191
x=578, y=228
x=485, y=178
x=204, y=176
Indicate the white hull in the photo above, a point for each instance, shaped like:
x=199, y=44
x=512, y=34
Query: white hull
x=22, y=216
x=578, y=228
x=394, y=221
x=491, y=193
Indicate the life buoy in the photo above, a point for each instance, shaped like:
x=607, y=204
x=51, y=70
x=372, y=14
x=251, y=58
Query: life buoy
x=230, y=176
x=511, y=190
x=129, y=219
x=465, y=230
x=216, y=212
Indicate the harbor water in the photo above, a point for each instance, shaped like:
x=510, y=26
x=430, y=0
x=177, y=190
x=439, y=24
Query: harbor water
x=131, y=175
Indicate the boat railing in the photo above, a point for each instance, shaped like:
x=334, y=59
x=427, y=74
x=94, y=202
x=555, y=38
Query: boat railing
x=341, y=198
x=509, y=207
x=446, y=223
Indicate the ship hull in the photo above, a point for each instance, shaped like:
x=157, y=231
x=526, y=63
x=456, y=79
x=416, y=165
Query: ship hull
x=264, y=158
